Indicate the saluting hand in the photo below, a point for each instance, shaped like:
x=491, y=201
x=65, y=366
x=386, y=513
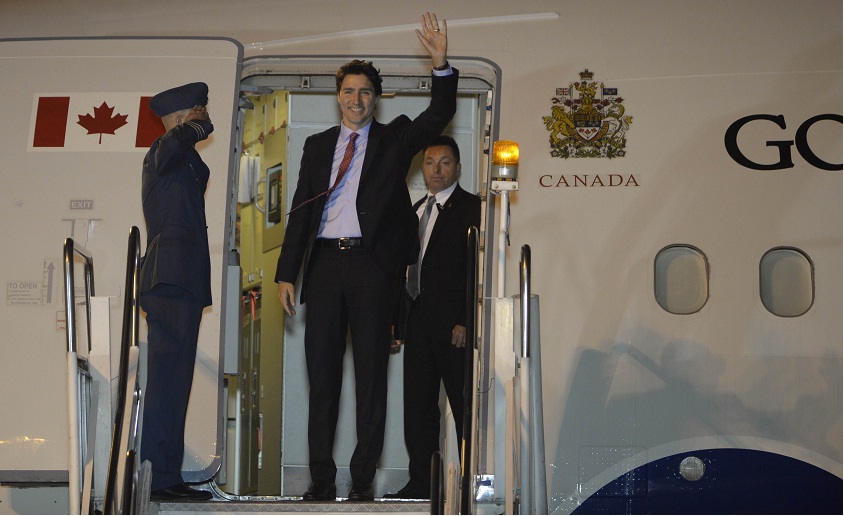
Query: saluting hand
x=434, y=38
x=197, y=113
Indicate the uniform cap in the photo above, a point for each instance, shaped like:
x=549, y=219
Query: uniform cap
x=180, y=97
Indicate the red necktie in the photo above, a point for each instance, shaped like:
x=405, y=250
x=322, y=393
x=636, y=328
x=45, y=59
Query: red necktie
x=344, y=167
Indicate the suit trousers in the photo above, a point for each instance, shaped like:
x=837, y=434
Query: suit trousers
x=428, y=360
x=347, y=292
x=173, y=317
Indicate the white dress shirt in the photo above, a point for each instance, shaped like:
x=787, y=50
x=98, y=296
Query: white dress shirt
x=441, y=197
x=340, y=215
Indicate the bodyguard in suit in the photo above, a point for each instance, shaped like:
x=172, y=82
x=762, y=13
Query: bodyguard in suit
x=352, y=217
x=435, y=337
x=175, y=280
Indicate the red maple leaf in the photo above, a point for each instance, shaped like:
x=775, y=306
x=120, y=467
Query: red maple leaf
x=102, y=122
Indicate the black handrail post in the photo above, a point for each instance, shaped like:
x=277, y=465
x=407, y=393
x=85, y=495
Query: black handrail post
x=524, y=361
x=129, y=338
x=524, y=288
x=78, y=448
x=466, y=454
x=70, y=303
x=70, y=247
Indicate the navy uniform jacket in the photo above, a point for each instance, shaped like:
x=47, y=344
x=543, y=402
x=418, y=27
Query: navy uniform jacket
x=387, y=222
x=173, y=194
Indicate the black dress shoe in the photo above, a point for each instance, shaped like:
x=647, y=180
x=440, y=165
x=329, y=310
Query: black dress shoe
x=320, y=491
x=179, y=493
x=410, y=492
x=361, y=492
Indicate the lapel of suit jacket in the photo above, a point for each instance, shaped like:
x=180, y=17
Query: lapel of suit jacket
x=324, y=161
x=418, y=203
x=443, y=215
x=372, y=143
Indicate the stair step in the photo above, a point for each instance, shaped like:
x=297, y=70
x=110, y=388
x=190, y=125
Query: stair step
x=281, y=505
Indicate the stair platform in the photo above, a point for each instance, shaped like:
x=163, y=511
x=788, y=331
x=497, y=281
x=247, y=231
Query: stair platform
x=290, y=506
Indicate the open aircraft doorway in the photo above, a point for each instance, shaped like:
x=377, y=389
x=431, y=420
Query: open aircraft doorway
x=283, y=101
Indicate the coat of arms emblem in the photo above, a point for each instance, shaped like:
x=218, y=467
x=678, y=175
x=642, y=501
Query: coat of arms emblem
x=592, y=125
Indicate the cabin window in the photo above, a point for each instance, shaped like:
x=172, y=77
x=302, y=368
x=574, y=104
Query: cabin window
x=681, y=279
x=786, y=282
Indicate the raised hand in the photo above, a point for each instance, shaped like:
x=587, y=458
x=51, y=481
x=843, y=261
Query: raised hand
x=434, y=37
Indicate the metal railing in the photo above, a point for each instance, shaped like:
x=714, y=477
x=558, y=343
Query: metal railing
x=467, y=442
x=533, y=497
x=71, y=249
x=124, y=434
x=79, y=380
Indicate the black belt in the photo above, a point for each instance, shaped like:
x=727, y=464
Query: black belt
x=338, y=243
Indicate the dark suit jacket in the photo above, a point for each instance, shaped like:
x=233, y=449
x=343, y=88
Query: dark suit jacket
x=387, y=222
x=173, y=195
x=442, y=281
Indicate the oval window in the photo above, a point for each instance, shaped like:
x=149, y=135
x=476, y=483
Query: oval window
x=681, y=279
x=786, y=282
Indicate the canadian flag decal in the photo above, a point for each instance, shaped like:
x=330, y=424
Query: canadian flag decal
x=102, y=122
x=51, y=122
x=113, y=122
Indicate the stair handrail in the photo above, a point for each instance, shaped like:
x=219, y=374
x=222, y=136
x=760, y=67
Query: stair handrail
x=524, y=290
x=534, y=497
x=129, y=338
x=71, y=248
x=467, y=440
x=525, y=477
x=77, y=446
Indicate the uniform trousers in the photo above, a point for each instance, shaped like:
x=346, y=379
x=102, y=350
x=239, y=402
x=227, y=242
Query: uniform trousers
x=173, y=316
x=347, y=292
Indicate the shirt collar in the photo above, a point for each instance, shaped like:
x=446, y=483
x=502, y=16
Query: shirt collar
x=443, y=196
x=363, y=132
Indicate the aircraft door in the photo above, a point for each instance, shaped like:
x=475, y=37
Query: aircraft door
x=289, y=99
x=77, y=126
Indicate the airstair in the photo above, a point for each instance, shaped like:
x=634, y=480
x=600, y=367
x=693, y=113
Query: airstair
x=514, y=459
